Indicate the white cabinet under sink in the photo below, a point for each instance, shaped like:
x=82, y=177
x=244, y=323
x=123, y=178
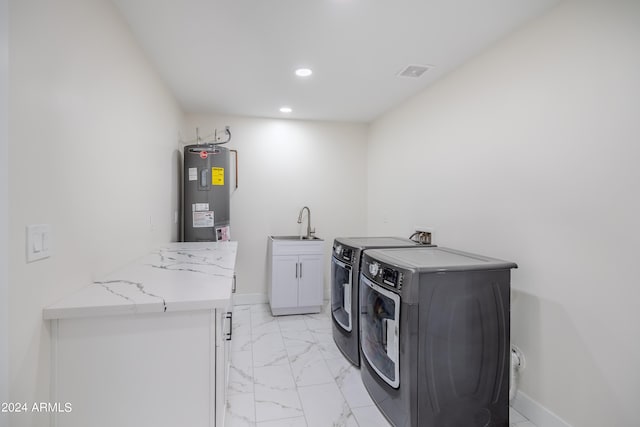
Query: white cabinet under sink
x=295, y=275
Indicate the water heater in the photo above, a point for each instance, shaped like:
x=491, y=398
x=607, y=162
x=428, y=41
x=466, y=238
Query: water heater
x=206, y=193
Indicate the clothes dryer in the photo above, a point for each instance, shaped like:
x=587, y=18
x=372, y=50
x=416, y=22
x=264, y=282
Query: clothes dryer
x=345, y=271
x=434, y=325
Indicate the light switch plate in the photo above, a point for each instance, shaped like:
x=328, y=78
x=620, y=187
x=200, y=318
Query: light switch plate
x=38, y=242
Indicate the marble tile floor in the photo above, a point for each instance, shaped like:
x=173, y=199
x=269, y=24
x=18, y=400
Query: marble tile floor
x=286, y=371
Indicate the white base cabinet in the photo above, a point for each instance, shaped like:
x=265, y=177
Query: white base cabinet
x=157, y=369
x=295, y=276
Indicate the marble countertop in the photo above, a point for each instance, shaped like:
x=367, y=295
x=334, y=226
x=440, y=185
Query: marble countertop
x=177, y=277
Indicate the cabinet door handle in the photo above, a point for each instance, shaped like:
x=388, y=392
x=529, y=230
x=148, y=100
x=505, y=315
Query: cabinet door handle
x=300, y=270
x=296, y=270
x=229, y=315
x=233, y=288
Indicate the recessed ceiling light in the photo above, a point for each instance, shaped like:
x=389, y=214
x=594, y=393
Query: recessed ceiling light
x=285, y=109
x=303, y=72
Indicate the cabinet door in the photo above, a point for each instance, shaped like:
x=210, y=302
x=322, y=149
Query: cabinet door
x=284, y=287
x=144, y=369
x=311, y=281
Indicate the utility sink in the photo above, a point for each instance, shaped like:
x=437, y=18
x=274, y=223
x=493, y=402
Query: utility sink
x=294, y=238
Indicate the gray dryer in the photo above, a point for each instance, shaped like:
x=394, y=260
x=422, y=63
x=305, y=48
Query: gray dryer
x=434, y=336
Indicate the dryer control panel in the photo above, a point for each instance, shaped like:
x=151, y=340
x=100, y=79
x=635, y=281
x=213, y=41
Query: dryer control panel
x=382, y=273
x=392, y=277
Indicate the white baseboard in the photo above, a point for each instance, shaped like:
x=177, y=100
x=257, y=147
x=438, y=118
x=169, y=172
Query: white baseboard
x=536, y=413
x=248, y=299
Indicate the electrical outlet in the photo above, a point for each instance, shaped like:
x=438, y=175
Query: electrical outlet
x=519, y=355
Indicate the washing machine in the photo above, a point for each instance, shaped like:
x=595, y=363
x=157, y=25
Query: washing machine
x=345, y=271
x=434, y=336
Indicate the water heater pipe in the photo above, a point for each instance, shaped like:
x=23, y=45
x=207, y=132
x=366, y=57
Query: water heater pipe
x=209, y=140
x=236, y=158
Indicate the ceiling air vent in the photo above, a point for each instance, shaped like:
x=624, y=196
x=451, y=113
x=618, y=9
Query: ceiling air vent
x=414, y=71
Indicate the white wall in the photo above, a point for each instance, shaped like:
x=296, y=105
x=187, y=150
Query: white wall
x=283, y=166
x=530, y=153
x=4, y=207
x=93, y=144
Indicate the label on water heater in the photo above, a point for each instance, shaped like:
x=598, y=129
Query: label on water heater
x=193, y=174
x=203, y=219
x=217, y=176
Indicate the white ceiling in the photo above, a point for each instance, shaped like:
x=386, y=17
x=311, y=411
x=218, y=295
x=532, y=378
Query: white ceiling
x=238, y=56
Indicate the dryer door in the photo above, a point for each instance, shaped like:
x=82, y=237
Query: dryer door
x=341, y=293
x=379, y=330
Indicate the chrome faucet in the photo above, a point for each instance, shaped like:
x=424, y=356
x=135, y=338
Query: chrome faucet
x=309, y=230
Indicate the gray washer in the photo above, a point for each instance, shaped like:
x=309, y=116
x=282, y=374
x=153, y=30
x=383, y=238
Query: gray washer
x=345, y=272
x=435, y=343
